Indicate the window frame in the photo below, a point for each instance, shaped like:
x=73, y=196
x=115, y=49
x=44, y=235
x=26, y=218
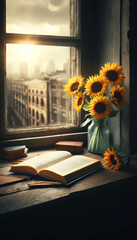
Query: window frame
x=8, y=38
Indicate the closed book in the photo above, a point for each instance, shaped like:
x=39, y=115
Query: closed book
x=13, y=152
x=71, y=146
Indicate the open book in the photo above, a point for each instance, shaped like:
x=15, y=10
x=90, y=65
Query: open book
x=58, y=165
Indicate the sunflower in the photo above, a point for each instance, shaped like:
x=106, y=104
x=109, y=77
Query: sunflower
x=78, y=101
x=113, y=74
x=100, y=107
x=118, y=96
x=74, y=85
x=95, y=85
x=111, y=159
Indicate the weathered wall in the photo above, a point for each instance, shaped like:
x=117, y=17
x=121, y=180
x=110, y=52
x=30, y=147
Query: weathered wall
x=101, y=44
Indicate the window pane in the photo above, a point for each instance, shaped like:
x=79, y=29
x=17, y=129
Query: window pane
x=43, y=17
x=35, y=77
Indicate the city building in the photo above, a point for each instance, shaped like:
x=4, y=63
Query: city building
x=39, y=102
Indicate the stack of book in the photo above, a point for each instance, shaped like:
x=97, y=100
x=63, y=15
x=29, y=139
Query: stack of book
x=13, y=152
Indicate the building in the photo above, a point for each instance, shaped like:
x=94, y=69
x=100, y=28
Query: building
x=39, y=102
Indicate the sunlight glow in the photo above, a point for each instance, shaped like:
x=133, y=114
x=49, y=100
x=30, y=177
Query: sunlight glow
x=25, y=50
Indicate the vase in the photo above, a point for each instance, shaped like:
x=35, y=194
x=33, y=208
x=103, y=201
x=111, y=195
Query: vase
x=98, y=136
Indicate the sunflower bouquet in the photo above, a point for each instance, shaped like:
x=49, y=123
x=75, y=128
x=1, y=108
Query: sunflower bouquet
x=101, y=96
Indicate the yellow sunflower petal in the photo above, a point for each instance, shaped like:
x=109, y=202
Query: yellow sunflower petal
x=111, y=159
x=113, y=74
x=74, y=85
x=78, y=101
x=100, y=107
x=118, y=96
x=95, y=85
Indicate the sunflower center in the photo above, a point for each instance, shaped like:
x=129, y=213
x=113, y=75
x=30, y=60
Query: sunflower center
x=117, y=95
x=113, y=160
x=112, y=75
x=80, y=101
x=100, y=107
x=74, y=86
x=96, y=87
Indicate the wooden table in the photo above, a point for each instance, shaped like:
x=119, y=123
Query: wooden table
x=94, y=199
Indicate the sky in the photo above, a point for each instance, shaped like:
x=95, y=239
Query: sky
x=38, y=16
x=44, y=17
x=34, y=56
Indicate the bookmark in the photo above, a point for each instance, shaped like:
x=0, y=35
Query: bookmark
x=41, y=184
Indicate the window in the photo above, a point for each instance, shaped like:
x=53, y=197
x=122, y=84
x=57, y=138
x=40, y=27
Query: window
x=40, y=51
x=33, y=100
x=42, y=118
x=37, y=100
x=42, y=102
x=33, y=113
x=37, y=115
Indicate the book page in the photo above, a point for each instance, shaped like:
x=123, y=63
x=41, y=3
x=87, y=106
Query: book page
x=43, y=161
x=72, y=166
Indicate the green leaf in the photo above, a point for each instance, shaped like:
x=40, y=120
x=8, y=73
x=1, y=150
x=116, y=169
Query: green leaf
x=86, y=101
x=124, y=158
x=87, y=115
x=114, y=106
x=113, y=113
x=86, y=107
x=86, y=122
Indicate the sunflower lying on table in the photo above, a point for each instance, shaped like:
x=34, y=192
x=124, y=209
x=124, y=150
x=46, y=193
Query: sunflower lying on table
x=114, y=159
x=102, y=96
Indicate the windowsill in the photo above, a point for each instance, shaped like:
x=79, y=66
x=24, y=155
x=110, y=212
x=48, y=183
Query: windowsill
x=45, y=141
x=13, y=196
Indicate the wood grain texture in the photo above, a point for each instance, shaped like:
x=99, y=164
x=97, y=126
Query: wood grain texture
x=29, y=198
x=18, y=196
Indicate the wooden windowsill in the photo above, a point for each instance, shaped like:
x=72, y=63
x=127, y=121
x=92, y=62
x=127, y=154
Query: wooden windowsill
x=18, y=196
x=45, y=141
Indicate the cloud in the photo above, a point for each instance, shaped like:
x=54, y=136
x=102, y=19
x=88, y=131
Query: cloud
x=57, y=3
x=37, y=12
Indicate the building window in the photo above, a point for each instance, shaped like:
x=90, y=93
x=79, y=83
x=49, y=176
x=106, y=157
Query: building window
x=42, y=102
x=54, y=115
x=39, y=52
x=63, y=117
x=42, y=118
x=33, y=112
x=37, y=100
x=33, y=100
x=37, y=115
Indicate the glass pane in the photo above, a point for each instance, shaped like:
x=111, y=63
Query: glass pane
x=43, y=17
x=35, y=77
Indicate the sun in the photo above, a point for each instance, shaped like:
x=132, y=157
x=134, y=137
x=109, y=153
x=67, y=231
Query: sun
x=25, y=50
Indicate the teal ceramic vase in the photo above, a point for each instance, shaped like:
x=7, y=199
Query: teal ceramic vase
x=98, y=136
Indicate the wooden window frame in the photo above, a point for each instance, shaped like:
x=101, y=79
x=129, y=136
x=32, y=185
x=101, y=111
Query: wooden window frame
x=38, y=136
